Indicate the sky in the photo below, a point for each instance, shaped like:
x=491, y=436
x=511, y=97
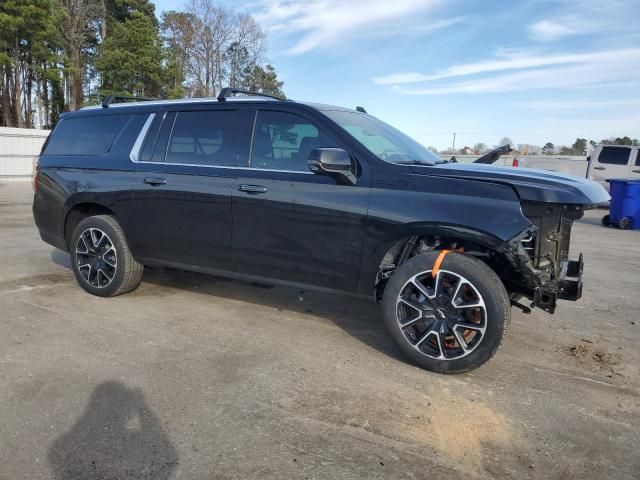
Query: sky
x=531, y=70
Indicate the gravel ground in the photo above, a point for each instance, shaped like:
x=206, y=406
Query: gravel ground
x=199, y=377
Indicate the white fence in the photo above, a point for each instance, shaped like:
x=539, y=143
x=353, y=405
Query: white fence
x=18, y=148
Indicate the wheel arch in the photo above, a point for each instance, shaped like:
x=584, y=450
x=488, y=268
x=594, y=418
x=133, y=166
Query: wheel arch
x=412, y=239
x=78, y=212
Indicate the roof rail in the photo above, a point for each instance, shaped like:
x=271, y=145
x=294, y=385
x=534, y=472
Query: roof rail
x=229, y=92
x=109, y=99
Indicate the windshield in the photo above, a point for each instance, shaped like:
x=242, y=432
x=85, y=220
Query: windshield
x=384, y=141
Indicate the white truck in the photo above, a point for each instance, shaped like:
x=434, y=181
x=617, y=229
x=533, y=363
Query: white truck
x=605, y=161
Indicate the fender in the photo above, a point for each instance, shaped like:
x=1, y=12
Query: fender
x=466, y=235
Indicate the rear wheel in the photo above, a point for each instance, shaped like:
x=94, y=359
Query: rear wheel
x=451, y=321
x=101, y=259
x=606, y=220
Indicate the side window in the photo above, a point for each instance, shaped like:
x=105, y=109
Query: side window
x=614, y=155
x=283, y=141
x=152, y=136
x=203, y=138
x=89, y=136
x=638, y=157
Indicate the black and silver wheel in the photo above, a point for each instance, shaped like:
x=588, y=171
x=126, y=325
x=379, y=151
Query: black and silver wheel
x=101, y=259
x=448, y=321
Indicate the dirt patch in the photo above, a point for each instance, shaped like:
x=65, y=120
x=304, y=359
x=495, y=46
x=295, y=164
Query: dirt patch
x=463, y=430
x=586, y=354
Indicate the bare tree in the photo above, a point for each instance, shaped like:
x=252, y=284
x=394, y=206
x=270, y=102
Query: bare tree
x=219, y=44
x=75, y=28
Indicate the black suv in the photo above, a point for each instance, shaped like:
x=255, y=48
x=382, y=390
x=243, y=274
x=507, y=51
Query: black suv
x=316, y=197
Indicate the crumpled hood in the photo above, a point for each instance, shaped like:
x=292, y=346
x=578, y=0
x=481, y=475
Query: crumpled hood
x=530, y=184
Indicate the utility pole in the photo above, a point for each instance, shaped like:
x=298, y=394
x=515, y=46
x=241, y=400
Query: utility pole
x=453, y=147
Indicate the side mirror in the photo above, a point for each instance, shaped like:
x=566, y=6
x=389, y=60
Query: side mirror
x=332, y=161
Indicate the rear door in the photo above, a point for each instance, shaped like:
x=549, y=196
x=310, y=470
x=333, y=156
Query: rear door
x=288, y=223
x=182, y=187
x=610, y=162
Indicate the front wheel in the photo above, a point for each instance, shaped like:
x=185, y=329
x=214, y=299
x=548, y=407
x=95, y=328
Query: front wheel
x=101, y=259
x=448, y=321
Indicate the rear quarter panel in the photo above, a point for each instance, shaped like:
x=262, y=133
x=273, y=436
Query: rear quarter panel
x=68, y=180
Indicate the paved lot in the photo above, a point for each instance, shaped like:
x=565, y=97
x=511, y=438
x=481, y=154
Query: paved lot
x=199, y=377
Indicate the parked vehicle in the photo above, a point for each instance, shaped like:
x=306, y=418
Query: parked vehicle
x=316, y=197
x=605, y=162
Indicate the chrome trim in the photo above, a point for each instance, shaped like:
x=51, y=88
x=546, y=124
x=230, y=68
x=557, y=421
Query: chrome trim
x=229, y=167
x=134, y=155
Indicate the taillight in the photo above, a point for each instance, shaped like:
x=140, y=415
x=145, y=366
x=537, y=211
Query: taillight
x=34, y=174
x=515, y=162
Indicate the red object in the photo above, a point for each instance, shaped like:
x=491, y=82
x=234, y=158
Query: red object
x=515, y=162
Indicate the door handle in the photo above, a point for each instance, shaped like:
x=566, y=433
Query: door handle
x=599, y=168
x=155, y=181
x=252, y=189
x=637, y=170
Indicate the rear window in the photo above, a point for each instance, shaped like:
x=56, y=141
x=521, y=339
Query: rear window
x=614, y=155
x=86, y=135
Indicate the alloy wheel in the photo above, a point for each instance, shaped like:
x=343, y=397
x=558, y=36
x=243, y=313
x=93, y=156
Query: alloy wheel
x=442, y=316
x=96, y=258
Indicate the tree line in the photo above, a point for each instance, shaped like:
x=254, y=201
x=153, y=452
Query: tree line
x=58, y=55
x=579, y=147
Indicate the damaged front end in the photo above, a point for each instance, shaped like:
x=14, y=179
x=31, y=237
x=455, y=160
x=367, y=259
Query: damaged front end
x=539, y=265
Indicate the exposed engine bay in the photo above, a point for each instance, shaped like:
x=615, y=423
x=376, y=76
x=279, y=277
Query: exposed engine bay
x=534, y=264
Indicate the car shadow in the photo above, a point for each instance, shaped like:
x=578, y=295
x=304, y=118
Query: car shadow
x=358, y=317
x=118, y=436
x=61, y=258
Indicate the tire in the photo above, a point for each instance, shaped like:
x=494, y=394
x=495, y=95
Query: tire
x=101, y=259
x=606, y=220
x=482, y=304
x=624, y=223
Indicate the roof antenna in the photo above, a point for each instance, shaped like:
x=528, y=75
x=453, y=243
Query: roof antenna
x=361, y=109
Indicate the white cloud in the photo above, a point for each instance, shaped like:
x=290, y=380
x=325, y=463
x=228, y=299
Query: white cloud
x=327, y=22
x=549, y=30
x=548, y=105
x=533, y=72
x=514, y=61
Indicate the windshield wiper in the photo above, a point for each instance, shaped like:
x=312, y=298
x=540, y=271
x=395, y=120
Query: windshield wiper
x=413, y=162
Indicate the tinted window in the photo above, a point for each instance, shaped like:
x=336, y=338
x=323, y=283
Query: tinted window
x=86, y=135
x=203, y=138
x=152, y=135
x=614, y=155
x=283, y=141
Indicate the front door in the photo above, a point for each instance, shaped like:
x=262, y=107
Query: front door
x=288, y=223
x=182, y=188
